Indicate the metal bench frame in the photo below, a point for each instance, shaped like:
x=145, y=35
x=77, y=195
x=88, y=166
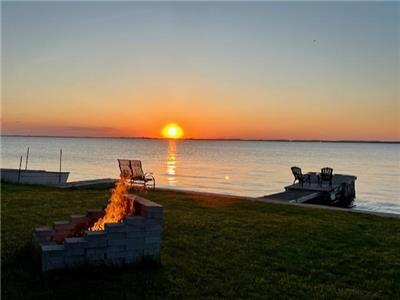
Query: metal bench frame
x=132, y=171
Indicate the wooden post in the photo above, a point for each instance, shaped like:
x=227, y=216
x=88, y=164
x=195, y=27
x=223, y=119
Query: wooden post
x=59, y=178
x=27, y=157
x=19, y=170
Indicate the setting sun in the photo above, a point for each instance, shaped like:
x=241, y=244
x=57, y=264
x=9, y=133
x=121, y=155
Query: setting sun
x=172, y=131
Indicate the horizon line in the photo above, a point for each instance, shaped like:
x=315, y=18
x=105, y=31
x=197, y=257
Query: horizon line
x=210, y=139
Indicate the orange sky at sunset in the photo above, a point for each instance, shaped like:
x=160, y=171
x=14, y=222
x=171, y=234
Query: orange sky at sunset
x=143, y=113
x=219, y=70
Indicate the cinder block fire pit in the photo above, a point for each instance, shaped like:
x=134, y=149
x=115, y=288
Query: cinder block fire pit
x=70, y=243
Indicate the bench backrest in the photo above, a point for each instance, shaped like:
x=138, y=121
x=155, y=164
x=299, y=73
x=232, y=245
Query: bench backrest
x=131, y=168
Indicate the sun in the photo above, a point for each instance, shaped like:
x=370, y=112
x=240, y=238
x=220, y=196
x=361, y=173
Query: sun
x=172, y=131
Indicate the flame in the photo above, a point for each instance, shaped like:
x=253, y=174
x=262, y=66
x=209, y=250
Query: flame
x=118, y=206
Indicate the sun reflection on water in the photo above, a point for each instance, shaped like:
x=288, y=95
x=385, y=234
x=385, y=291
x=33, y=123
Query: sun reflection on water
x=171, y=163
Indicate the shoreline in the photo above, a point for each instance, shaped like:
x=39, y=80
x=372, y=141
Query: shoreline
x=108, y=182
x=223, y=195
x=210, y=139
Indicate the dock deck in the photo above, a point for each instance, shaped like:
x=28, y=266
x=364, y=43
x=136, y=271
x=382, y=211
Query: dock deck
x=337, y=181
x=340, y=193
x=293, y=196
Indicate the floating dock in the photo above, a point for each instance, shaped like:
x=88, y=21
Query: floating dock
x=340, y=193
x=40, y=177
x=93, y=183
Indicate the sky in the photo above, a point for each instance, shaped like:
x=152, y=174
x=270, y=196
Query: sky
x=250, y=70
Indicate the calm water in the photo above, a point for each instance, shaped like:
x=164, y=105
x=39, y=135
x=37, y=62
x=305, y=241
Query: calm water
x=234, y=167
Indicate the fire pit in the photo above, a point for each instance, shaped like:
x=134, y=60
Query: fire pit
x=106, y=237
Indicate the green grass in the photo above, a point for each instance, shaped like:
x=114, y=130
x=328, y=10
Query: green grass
x=212, y=248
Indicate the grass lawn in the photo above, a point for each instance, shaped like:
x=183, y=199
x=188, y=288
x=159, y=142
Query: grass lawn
x=212, y=248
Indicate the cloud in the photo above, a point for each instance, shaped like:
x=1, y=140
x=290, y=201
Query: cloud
x=89, y=129
x=22, y=128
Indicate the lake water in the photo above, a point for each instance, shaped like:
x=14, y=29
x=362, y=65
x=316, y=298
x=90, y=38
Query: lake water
x=235, y=167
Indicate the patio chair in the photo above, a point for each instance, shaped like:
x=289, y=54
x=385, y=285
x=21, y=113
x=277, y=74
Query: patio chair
x=326, y=175
x=132, y=170
x=299, y=176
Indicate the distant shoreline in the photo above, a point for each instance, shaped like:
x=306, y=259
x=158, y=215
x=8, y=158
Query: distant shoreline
x=209, y=139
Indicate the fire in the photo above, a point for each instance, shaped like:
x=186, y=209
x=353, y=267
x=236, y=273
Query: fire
x=118, y=206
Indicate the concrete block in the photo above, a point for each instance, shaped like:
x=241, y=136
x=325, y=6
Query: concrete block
x=75, y=246
x=78, y=219
x=135, y=243
x=52, y=257
x=152, y=246
x=53, y=263
x=41, y=239
x=95, y=254
x=135, y=228
x=120, y=243
x=117, y=254
x=64, y=231
x=96, y=251
x=154, y=227
x=62, y=225
x=116, y=235
x=145, y=202
x=48, y=243
x=75, y=252
x=53, y=250
x=134, y=221
x=153, y=233
x=148, y=251
x=56, y=263
x=152, y=212
x=60, y=236
x=96, y=239
x=95, y=235
x=152, y=254
x=144, y=207
x=155, y=209
x=135, y=234
x=134, y=247
x=133, y=256
x=43, y=231
x=115, y=261
x=98, y=262
x=112, y=249
x=75, y=242
x=58, y=239
x=152, y=239
x=149, y=222
x=96, y=243
x=115, y=227
x=117, y=242
x=75, y=261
